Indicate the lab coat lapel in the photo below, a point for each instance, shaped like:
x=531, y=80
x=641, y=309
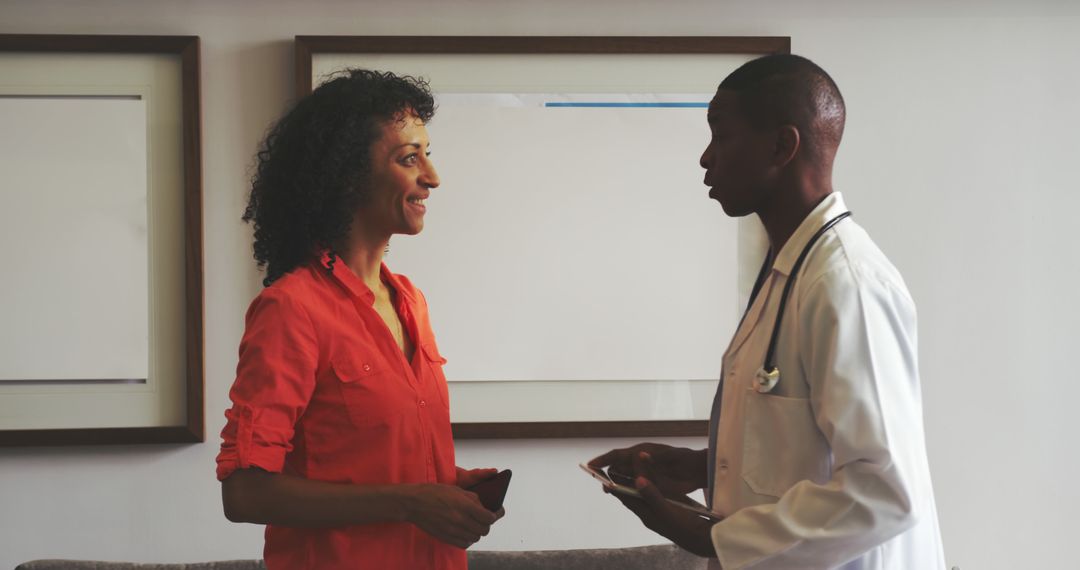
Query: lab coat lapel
x=832, y=205
x=753, y=315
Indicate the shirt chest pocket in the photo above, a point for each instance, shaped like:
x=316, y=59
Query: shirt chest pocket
x=434, y=361
x=373, y=394
x=781, y=444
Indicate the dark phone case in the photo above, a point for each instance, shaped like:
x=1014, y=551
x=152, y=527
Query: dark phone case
x=492, y=491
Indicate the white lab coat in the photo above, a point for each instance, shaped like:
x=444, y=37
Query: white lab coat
x=828, y=469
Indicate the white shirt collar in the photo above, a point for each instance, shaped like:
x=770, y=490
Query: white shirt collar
x=830, y=207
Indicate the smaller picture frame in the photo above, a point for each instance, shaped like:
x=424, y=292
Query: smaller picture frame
x=58, y=392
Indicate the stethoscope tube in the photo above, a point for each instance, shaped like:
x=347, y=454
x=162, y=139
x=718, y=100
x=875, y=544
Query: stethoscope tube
x=769, y=375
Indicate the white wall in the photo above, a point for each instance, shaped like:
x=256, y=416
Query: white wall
x=960, y=158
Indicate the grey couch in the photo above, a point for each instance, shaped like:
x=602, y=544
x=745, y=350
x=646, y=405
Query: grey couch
x=658, y=557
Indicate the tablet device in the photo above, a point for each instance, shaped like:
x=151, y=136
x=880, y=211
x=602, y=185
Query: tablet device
x=684, y=502
x=492, y=490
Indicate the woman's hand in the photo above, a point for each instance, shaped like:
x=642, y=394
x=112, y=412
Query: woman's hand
x=448, y=513
x=468, y=477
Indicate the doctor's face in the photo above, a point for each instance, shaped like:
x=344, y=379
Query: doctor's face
x=736, y=160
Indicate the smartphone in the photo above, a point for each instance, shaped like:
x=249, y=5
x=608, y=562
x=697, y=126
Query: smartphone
x=619, y=478
x=607, y=481
x=492, y=490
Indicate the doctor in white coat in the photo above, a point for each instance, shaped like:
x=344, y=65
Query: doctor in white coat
x=816, y=456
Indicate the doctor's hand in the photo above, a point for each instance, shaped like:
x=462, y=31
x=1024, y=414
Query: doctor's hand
x=674, y=470
x=682, y=527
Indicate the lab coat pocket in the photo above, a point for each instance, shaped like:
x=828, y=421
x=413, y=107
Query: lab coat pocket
x=781, y=444
x=369, y=391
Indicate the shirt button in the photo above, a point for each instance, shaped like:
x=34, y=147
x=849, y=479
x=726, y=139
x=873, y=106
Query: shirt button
x=422, y=403
x=367, y=368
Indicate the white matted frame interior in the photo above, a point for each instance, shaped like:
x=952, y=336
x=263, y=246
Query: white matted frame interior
x=580, y=281
x=102, y=317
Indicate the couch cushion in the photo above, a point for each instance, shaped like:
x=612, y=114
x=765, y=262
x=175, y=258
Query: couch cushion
x=658, y=557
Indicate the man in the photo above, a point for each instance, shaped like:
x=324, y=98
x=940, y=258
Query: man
x=816, y=454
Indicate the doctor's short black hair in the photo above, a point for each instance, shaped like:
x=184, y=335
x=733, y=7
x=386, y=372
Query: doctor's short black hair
x=790, y=89
x=312, y=168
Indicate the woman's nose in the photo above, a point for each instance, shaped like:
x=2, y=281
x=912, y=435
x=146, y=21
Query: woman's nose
x=429, y=177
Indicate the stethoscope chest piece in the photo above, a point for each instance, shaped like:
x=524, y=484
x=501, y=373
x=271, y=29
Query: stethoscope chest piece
x=766, y=380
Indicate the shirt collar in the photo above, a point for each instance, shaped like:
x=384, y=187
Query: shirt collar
x=356, y=286
x=830, y=207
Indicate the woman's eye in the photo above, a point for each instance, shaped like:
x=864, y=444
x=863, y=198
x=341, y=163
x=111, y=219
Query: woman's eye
x=410, y=159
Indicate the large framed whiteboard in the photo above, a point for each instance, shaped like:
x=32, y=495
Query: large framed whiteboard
x=100, y=240
x=580, y=281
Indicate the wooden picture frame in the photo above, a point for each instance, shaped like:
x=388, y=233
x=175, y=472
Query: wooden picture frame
x=310, y=50
x=172, y=395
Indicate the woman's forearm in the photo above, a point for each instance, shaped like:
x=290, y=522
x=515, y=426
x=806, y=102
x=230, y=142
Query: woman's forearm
x=257, y=496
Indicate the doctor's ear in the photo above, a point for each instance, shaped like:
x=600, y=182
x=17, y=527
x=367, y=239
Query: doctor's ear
x=786, y=145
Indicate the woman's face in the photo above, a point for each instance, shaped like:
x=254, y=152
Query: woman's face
x=402, y=177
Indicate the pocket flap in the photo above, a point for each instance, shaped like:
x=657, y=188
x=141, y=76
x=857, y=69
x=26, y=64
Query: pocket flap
x=351, y=369
x=432, y=353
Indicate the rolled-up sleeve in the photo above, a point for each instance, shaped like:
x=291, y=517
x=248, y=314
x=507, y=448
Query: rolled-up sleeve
x=275, y=378
x=857, y=349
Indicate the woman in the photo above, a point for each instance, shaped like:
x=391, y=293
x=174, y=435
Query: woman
x=339, y=435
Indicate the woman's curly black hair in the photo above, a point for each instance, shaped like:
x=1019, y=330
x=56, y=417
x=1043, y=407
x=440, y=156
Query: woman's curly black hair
x=312, y=167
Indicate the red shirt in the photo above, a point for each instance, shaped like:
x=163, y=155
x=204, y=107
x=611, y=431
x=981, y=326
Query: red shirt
x=324, y=392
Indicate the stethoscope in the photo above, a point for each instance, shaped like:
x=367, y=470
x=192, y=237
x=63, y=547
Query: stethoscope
x=769, y=375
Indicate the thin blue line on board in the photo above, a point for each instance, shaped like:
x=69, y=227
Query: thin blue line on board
x=690, y=105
